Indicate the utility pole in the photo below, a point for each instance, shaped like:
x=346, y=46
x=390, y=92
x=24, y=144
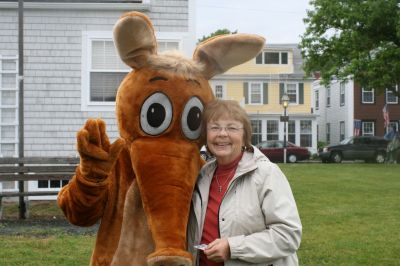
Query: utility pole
x=22, y=206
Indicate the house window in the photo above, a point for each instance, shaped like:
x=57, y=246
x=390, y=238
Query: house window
x=367, y=96
x=256, y=136
x=342, y=93
x=8, y=106
x=305, y=133
x=328, y=132
x=342, y=130
x=368, y=128
x=272, y=58
x=256, y=93
x=393, y=125
x=103, y=70
x=328, y=97
x=316, y=99
x=219, y=91
x=51, y=183
x=292, y=131
x=272, y=130
x=391, y=96
x=293, y=92
x=8, y=111
x=106, y=71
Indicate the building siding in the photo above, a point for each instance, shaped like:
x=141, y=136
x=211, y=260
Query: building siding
x=53, y=68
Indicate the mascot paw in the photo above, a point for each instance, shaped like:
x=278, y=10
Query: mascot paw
x=169, y=257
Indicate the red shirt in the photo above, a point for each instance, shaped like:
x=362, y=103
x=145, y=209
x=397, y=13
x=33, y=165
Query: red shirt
x=219, y=184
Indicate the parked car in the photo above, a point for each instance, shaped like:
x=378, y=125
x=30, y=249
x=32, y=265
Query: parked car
x=273, y=149
x=367, y=148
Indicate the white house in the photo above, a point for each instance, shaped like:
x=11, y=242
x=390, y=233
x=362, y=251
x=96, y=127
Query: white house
x=71, y=71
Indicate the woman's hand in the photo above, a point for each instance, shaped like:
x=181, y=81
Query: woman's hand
x=218, y=250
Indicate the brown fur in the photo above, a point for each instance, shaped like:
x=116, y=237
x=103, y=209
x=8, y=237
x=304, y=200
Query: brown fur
x=140, y=186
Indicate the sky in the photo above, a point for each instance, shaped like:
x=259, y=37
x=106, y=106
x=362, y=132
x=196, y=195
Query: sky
x=279, y=21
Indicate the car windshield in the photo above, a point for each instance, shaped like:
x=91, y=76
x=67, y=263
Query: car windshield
x=346, y=141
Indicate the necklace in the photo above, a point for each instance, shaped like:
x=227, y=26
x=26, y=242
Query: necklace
x=226, y=180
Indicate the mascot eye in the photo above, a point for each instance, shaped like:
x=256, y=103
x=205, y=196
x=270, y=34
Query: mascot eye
x=191, y=118
x=156, y=114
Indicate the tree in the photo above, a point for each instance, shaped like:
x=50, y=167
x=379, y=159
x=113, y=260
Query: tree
x=356, y=39
x=216, y=33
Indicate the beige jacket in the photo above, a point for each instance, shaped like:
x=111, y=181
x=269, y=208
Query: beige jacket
x=258, y=214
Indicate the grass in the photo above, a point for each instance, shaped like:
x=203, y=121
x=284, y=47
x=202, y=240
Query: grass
x=350, y=215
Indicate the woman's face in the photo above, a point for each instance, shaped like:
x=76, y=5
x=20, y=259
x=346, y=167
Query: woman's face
x=225, y=139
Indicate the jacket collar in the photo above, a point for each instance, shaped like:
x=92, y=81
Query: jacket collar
x=247, y=164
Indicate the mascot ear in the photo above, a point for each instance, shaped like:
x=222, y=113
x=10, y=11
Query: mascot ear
x=220, y=53
x=134, y=39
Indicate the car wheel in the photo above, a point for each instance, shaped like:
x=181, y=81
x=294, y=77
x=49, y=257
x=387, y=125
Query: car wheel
x=336, y=157
x=292, y=158
x=380, y=157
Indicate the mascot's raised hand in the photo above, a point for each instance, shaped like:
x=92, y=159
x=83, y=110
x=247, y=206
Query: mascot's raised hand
x=140, y=187
x=97, y=155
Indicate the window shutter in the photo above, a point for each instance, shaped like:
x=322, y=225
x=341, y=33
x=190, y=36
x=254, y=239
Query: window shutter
x=301, y=93
x=265, y=93
x=246, y=92
x=281, y=91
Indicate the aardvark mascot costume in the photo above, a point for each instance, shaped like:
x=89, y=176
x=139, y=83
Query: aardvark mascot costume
x=140, y=186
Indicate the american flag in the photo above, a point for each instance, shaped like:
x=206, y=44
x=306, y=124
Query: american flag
x=385, y=112
x=357, y=127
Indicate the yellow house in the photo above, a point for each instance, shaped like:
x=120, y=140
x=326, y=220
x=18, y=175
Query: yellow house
x=259, y=85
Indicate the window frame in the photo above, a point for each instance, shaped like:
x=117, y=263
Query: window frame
x=364, y=92
x=250, y=90
x=363, y=123
x=328, y=97
x=87, y=38
x=297, y=92
x=342, y=95
x=215, y=84
x=342, y=130
x=256, y=133
x=291, y=131
x=272, y=129
x=328, y=132
x=307, y=134
x=14, y=123
x=387, y=96
x=280, y=58
x=393, y=123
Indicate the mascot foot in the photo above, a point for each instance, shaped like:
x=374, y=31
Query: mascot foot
x=170, y=257
x=169, y=261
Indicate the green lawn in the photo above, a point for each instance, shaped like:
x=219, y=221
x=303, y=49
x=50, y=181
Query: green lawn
x=350, y=215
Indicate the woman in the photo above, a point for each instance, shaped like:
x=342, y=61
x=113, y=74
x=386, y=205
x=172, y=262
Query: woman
x=242, y=207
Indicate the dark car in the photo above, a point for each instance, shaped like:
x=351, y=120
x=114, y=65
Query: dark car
x=367, y=148
x=273, y=149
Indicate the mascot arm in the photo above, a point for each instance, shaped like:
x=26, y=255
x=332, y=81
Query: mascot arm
x=84, y=198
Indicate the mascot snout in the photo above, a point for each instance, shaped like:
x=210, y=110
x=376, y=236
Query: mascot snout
x=166, y=194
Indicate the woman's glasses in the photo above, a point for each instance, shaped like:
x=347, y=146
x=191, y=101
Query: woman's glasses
x=228, y=129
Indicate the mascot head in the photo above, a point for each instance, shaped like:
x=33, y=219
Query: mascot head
x=159, y=106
